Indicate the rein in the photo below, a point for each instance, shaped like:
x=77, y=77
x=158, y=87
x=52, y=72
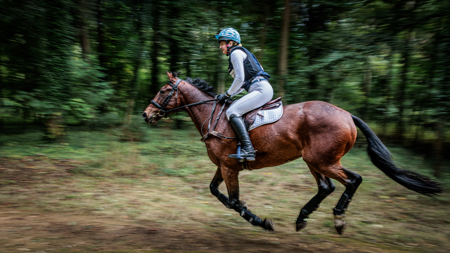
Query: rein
x=162, y=108
x=163, y=112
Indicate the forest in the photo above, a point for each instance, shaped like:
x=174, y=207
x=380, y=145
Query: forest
x=81, y=171
x=98, y=63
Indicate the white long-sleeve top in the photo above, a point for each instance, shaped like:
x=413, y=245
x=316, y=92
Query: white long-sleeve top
x=237, y=59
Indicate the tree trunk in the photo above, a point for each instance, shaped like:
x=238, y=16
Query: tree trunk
x=367, y=85
x=101, y=36
x=284, y=47
x=83, y=28
x=172, y=39
x=1, y=80
x=265, y=21
x=402, y=88
x=387, y=91
x=133, y=90
x=156, y=47
x=315, y=18
x=56, y=88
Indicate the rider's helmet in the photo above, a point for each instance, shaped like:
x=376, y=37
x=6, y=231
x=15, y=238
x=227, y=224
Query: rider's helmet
x=229, y=34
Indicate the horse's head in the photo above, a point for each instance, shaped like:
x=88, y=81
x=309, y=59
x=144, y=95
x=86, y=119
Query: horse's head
x=166, y=99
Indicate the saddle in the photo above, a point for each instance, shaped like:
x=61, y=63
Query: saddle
x=266, y=114
x=250, y=117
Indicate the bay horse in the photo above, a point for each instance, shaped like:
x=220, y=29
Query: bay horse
x=317, y=131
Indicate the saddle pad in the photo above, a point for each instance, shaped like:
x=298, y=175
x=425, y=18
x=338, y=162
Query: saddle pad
x=267, y=116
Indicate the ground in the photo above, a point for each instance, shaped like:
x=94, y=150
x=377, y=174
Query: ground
x=54, y=204
x=28, y=231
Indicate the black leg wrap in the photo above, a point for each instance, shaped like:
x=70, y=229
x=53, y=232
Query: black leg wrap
x=253, y=219
x=214, y=188
x=224, y=199
x=301, y=223
x=250, y=217
x=342, y=205
x=313, y=204
x=347, y=196
x=325, y=189
x=304, y=214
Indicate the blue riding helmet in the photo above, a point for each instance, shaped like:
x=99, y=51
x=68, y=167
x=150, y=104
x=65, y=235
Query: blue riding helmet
x=229, y=34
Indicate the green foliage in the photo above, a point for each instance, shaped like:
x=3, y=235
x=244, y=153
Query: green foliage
x=97, y=64
x=89, y=93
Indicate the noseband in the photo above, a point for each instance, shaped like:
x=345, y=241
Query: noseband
x=162, y=108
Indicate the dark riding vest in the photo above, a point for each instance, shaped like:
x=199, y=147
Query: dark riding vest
x=252, y=68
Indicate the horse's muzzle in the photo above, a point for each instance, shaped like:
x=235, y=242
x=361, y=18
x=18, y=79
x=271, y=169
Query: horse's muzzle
x=152, y=119
x=146, y=118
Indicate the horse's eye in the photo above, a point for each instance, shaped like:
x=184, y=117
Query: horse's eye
x=161, y=91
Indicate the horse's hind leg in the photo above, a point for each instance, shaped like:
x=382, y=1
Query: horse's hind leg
x=351, y=181
x=326, y=187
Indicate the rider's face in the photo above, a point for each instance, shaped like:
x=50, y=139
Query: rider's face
x=223, y=46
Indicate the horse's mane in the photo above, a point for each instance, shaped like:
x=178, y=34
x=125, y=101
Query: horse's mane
x=199, y=83
x=202, y=85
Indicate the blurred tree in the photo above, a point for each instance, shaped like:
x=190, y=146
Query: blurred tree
x=156, y=20
x=83, y=29
x=284, y=49
x=101, y=37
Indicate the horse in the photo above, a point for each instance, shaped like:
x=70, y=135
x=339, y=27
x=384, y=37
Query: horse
x=319, y=132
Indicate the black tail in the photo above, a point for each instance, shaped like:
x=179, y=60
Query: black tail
x=380, y=157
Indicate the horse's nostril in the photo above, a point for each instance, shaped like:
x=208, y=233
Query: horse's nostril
x=144, y=115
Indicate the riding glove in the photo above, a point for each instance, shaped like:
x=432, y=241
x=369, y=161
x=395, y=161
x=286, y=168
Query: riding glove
x=222, y=97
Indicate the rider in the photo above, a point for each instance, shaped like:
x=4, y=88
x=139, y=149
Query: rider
x=248, y=74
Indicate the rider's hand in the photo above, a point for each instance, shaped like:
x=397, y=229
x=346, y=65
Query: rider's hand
x=222, y=97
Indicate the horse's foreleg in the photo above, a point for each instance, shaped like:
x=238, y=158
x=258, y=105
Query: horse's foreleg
x=326, y=187
x=214, y=188
x=232, y=183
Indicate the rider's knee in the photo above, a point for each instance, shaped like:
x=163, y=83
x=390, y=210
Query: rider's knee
x=231, y=114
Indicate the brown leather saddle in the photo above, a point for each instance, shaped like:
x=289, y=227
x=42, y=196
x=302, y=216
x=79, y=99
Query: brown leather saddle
x=250, y=117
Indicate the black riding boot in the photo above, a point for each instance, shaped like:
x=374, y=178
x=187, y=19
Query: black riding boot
x=247, y=150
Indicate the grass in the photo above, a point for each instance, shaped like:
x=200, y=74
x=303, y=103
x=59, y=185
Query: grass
x=165, y=180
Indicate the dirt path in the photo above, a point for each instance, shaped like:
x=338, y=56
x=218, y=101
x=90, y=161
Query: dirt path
x=34, y=231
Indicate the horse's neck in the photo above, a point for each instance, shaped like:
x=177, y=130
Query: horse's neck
x=198, y=113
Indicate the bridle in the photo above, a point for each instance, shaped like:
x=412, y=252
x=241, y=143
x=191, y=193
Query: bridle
x=162, y=108
x=163, y=111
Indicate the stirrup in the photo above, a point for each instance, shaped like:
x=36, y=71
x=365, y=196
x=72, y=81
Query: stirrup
x=243, y=157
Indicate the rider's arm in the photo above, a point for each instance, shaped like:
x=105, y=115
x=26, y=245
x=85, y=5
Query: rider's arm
x=237, y=59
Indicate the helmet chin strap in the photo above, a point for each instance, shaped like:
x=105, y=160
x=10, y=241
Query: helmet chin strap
x=229, y=48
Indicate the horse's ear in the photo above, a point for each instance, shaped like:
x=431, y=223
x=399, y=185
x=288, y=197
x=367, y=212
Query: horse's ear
x=172, y=76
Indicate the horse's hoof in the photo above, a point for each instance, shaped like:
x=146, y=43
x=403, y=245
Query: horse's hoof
x=268, y=225
x=340, y=225
x=300, y=226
